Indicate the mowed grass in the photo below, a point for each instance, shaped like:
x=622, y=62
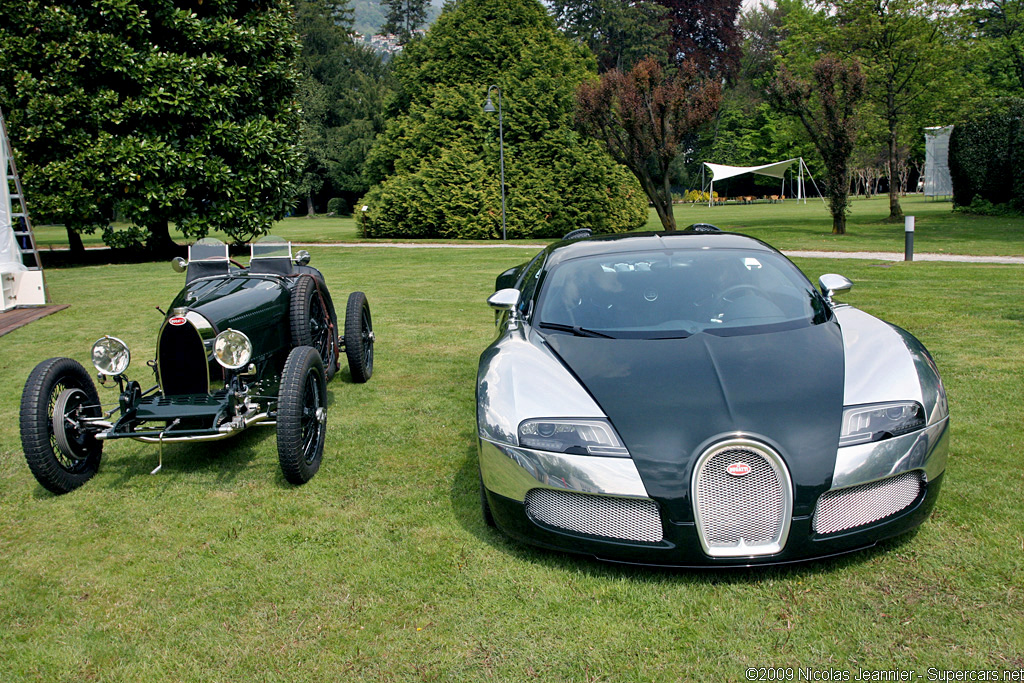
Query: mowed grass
x=381, y=569
x=788, y=225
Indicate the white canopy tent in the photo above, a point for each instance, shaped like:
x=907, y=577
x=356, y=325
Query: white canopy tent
x=774, y=170
x=937, y=180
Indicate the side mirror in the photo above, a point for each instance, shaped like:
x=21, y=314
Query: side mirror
x=302, y=258
x=832, y=284
x=504, y=299
x=179, y=265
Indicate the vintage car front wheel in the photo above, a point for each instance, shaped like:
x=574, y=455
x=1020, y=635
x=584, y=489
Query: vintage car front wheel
x=302, y=415
x=314, y=322
x=359, y=337
x=61, y=455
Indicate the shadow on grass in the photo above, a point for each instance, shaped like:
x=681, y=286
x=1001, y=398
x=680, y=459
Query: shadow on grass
x=467, y=511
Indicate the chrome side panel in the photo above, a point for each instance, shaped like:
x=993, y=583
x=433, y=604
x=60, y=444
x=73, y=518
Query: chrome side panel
x=926, y=450
x=878, y=365
x=511, y=472
x=517, y=380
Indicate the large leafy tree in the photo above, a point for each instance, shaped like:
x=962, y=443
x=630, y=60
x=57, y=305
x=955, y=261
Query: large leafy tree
x=909, y=52
x=705, y=33
x=643, y=116
x=157, y=111
x=826, y=105
x=437, y=163
x=618, y=33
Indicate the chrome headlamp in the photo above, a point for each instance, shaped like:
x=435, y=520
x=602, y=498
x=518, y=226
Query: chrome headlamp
x=878, y=421
x=232, y=349
x=110, y=356
x=572, y=436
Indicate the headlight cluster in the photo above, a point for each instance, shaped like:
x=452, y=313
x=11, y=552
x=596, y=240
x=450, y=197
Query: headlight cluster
x=878, y=421
x=110, y=356
x=232, y=349
x=575, y=437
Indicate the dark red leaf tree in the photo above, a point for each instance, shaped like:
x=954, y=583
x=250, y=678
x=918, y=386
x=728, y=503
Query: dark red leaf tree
x=643, y=116
x=705, y=32
x=826, y=105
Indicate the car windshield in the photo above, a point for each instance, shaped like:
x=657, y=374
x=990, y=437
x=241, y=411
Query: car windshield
x=208, y=249
x=672, y=294
x=271, y=247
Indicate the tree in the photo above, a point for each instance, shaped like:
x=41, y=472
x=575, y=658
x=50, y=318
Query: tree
x=1003, y=22
x=704, y=33
x=618, y=33
x=404, y=17
x=342, y=99
x=642, y=117
x=436, y=166
x=154, y=112
x=909, y=53
x=826, y=106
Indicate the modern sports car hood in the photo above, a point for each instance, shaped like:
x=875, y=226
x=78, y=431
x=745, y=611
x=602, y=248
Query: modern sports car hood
x=670, y=399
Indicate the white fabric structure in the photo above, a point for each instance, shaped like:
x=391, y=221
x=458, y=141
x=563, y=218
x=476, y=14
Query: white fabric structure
x=10, y=253
x=937, y=180
x=19, y=285
x=775, y=170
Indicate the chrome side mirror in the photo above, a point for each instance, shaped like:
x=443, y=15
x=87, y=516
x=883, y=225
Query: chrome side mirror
x=302, y=258
x=504, y=299
x=832, y=284
x=179, y=265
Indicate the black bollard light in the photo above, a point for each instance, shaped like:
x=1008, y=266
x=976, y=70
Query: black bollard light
x=908, y=231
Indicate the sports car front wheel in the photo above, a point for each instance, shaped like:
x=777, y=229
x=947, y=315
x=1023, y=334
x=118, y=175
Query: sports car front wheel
x=61, y=455
x=302, y=415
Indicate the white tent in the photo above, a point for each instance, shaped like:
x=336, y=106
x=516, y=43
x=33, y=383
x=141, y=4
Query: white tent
x=775, y=170
x=937, y=180
x=19, y=284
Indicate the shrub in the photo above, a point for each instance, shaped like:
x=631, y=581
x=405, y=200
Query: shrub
x=338, y=207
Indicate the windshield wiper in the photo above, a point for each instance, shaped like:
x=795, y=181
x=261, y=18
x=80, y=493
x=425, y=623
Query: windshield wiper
x=576, y=330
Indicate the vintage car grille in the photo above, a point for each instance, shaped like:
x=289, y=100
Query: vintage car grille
x=625, y=519
x=859, y=505
x=182, y=359
x=742, y=515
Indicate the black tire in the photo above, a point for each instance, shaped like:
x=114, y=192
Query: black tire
x=359, y=337
x=63, y=462
x=302, y=415
x=485, y=507
x=311, y=324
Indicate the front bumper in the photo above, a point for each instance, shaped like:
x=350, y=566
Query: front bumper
x=510, y=474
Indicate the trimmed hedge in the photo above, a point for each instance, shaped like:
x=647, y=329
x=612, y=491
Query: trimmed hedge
x=986, y=159
x=435, y=168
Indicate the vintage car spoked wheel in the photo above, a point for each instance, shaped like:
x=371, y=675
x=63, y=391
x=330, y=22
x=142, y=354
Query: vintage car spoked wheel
x=302, y=415
x=61, y=456
x=312, y=315
x=359, y=337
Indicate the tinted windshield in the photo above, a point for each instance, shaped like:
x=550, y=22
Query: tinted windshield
x=208, y=249
x=271, y=247
x=674, y=294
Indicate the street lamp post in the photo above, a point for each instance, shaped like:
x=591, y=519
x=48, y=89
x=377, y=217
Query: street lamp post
x=489, y=108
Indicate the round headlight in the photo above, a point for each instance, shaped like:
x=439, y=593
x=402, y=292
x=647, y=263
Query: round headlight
x=232, y=349
x=110, y=355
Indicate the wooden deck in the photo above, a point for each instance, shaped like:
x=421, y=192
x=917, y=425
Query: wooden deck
x=19, y=317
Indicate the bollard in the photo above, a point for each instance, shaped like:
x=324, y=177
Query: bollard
x=908, y=231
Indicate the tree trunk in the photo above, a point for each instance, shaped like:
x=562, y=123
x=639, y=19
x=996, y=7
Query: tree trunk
x=310, y=209
x=668, y=215
x=839, y=223
x=159, y=241
x=895, y=211
x=75, y=242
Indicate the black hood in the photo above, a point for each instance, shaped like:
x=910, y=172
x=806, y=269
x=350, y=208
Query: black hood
x=669, y=399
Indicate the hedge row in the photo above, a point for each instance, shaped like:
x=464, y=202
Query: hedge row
x=986, y=158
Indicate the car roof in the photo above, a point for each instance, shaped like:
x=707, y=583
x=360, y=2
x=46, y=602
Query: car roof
x=650, y=241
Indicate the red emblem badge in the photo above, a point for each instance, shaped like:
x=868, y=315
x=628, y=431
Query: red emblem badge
x=738, y=469
x=177, y=320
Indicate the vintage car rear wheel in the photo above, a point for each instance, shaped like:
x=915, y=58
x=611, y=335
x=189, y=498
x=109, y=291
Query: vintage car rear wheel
x=312, y=325
x=302, y=415
x=63, y=461
x=359, y=337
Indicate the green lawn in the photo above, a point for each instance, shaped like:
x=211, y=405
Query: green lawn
x=788, y=225
x=381, y=568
